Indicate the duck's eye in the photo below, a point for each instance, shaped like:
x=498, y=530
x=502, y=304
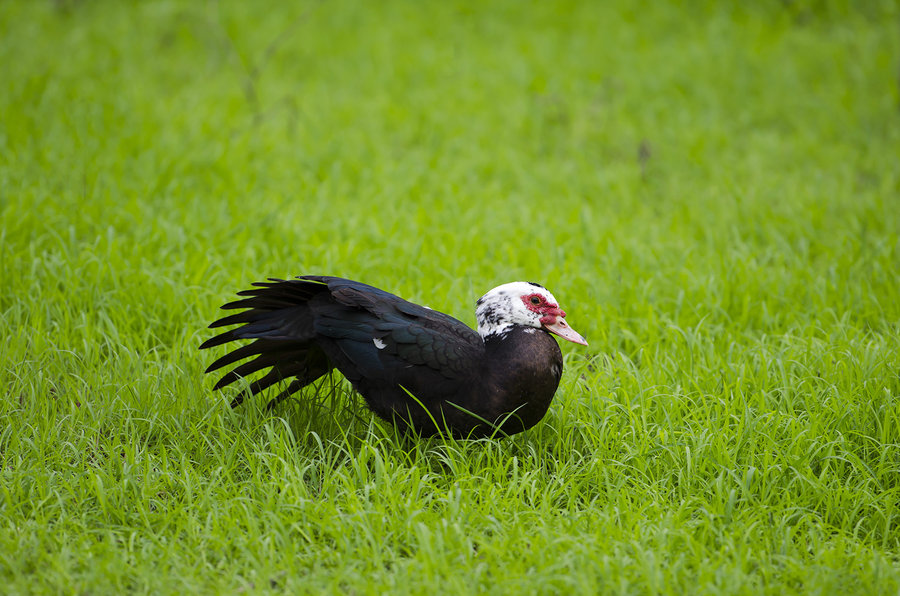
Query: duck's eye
x=535, y=300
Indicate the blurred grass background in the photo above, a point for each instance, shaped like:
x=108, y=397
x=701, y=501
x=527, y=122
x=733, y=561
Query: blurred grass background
x=710, y=189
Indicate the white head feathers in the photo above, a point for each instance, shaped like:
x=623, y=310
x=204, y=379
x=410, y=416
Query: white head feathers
x=504, y=306
x=522, y=303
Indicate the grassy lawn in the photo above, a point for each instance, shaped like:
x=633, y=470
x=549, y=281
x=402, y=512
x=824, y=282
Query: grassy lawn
x=713, y=194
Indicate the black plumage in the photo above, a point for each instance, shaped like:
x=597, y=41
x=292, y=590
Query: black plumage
x=416, y=367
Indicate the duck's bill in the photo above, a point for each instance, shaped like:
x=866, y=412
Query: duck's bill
x=562, y=329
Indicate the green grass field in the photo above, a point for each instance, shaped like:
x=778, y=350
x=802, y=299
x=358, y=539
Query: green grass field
x=712, y=192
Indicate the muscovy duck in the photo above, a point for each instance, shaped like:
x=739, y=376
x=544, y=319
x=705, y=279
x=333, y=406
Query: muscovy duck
x=414, y=366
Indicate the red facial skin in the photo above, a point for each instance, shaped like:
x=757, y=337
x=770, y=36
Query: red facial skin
x=553, y=318
x=548, y=311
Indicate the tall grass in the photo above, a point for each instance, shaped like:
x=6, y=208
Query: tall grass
x=710, y=191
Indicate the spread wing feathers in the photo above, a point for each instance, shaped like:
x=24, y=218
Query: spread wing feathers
x=303, y=327
x=279, y=321
x=305, y=367
x=277, y=309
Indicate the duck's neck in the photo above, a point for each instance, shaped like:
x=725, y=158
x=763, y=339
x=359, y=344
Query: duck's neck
x=522, y=370
x=495, y=331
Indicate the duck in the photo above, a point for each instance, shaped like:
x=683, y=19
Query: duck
x=419, y=369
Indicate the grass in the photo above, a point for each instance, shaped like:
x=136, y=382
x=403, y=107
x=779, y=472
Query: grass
x=711, y=193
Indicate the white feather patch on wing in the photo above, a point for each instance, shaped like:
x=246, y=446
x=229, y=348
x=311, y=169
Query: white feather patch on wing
x=378, y=343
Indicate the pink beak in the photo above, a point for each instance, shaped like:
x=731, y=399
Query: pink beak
x=562, y=329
